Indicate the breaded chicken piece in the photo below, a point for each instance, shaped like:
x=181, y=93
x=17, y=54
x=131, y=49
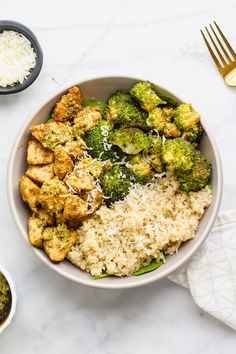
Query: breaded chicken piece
x=68, y=106
x=75, y=209
x=87, y=118
x=52, y=134
x=59, y=217
x=57, y=242
x=52, y=195
x=37, y=154
x=45, y=219
x=90, y=165
x=79, y=180
x=82, y=178
x=29, y=192
x=73, y=149
x=93, y=199
x=63, y=163
x=40, y=173
x=81, y=143
x=35, y=232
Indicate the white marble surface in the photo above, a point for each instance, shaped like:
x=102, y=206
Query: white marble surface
x=153, y=39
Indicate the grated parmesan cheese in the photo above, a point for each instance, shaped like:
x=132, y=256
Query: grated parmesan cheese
x=17, y=58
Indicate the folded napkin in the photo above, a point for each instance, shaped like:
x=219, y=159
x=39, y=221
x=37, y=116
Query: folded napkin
x=211, y=274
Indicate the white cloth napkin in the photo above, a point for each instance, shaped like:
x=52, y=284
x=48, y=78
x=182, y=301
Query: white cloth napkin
x=211, y=274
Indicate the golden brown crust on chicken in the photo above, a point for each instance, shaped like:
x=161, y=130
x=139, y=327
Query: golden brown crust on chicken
x=40, y=173
x=37, y=154
x=29, y=192
x=89, y=165
x=94, y=199
x=75, y=209
x=73, y=149
x=87, y=118
x=78, y=181
x=35, y=232
x=59, y=161
x=59, y=217
x=44, y=218
x=68, y=106
x=82, y=177
x=57, y=242
x=52, y=134
x=63, y=163
x=52, y=195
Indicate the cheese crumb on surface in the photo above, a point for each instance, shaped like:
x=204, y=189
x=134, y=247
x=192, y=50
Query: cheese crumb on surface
x=17, y=58
x=152, y=218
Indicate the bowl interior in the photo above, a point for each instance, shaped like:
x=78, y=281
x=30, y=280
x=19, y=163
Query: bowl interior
x=102, y=89
x=18, y=27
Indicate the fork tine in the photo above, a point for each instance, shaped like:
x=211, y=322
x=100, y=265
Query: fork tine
x=216, y=48
x=212, y=53
x=225, y=40
x=221, y=45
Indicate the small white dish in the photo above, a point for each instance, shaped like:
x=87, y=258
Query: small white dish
x=8, y=277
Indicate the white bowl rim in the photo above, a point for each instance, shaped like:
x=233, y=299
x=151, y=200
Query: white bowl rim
x=139, y=281
x=9, y=279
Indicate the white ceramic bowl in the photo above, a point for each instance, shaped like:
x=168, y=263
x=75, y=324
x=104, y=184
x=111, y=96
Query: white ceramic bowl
x=8, y=277
x=101, y=88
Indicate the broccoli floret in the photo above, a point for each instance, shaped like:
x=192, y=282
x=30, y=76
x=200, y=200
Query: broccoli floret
x=153, y=155
x=97, y=141
x=160, y=119
x=122, y=110
x=198, y=177
x=170, y=100
x=194, y=134
x=169, y=113
x=141, y=168
x=144, y=93
x=130, y=140
x=156, y=144
x=157, y=119
x=192, y=169
x=185, y=117
x=177, y=155
x=171, y=131
x=116, y=182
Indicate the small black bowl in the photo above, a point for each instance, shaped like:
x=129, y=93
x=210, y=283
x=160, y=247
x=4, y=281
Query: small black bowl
x=18, y=27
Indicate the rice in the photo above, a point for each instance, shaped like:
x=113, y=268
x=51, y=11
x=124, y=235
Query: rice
x=152, y=218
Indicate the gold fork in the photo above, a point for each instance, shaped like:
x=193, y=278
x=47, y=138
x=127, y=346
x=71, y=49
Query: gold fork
x=226, y=60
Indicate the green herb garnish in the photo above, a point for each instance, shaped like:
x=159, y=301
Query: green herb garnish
x=152, y=266
x=50, y=116
x=92, y=102
x=104, y=275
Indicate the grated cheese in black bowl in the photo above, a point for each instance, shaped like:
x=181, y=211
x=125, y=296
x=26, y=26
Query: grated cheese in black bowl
x=17, y=58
